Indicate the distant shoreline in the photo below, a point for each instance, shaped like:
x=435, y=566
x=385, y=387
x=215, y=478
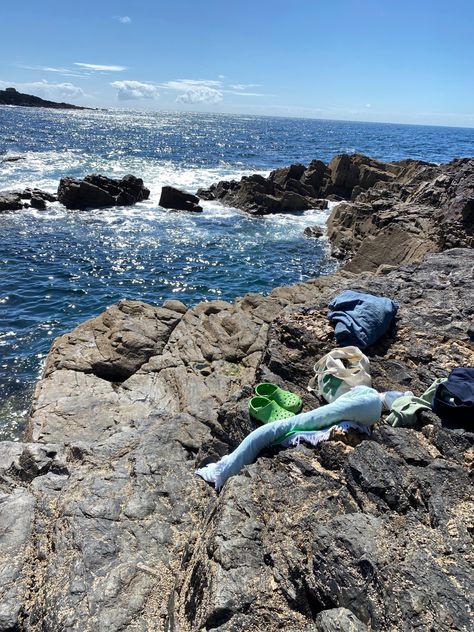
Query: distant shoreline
x=11, y=96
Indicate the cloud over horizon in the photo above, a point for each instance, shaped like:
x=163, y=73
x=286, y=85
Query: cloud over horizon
x=196, y=90
x=127, y=90
x=123, y=19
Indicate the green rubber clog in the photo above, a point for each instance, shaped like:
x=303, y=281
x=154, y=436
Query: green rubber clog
x=285, y=399
x=266, y=410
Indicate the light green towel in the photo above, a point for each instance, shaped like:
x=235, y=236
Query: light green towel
x=404, y=410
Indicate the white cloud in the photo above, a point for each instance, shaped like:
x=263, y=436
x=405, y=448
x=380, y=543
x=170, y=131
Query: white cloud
x=135, y=90
x=66, y=72
x=200, y=94
x=123, y=19
x=249, y=94
x=196, y=90
x=368, y=105
x=100, y=67
x=189, y=84
x=244, y=86
x=47, y=90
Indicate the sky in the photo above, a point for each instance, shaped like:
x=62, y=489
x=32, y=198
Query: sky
x=361, y=60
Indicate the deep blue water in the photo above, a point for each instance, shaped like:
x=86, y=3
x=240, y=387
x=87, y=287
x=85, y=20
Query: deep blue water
x=58, y=268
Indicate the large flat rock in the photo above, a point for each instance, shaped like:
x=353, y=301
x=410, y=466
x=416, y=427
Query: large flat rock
x=106, y=527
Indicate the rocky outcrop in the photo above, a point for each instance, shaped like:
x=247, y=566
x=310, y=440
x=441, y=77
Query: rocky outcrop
x=179, y=200
x=313, y=232
x=16, y=200
x=11, y=96
x=109, y=528
x=97, y=191
x=428, y=210
x=297, y=187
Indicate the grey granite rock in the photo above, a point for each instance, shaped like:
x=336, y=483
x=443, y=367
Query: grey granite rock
x=117, y=533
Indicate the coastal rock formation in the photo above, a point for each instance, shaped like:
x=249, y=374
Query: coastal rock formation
x=297, y=187
x=391, y=213
x=428, y=210
x=11, y=96
x=96, y=191
x=313, y=232
x=16, y=200
x=110, y=529
x=179, y=200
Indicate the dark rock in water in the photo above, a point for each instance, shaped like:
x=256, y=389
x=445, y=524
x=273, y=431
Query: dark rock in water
x=179, y=200
x=97, y=191
x=281, y=192
x=14, y=201
x=335, y=181
x=37, y=202
x=12, y=159
x=10, y=202
x=39, y=193
x=313, y=232
x=282, y=176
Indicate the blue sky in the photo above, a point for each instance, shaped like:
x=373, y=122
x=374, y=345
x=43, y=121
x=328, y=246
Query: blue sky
x=362, y=60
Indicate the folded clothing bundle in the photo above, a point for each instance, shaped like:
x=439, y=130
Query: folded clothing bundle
x=361, y=319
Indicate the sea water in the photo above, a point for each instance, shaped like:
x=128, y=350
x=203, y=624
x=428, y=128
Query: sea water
x=59, y=268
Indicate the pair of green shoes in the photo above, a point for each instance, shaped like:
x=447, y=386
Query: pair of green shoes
x=272, y=403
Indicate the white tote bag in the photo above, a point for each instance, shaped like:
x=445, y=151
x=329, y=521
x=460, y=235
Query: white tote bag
x=339, y=371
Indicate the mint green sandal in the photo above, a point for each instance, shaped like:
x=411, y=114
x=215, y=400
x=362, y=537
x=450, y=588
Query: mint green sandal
x=266, y=410
x=285, y=399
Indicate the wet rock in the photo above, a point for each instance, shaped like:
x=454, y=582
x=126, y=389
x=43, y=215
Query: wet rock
x=13, y=159
x=28, y=193
x=313, y=232
x=16, y=200
x=96, y=191
x=344, y=175
x=179, y=200
x=37, y=202
x=10, y=202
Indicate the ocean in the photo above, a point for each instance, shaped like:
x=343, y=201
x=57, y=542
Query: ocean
x=59, y=268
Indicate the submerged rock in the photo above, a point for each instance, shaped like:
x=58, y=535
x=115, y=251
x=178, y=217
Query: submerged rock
x=97, y=191
x=179, y=200
x=10, y=202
